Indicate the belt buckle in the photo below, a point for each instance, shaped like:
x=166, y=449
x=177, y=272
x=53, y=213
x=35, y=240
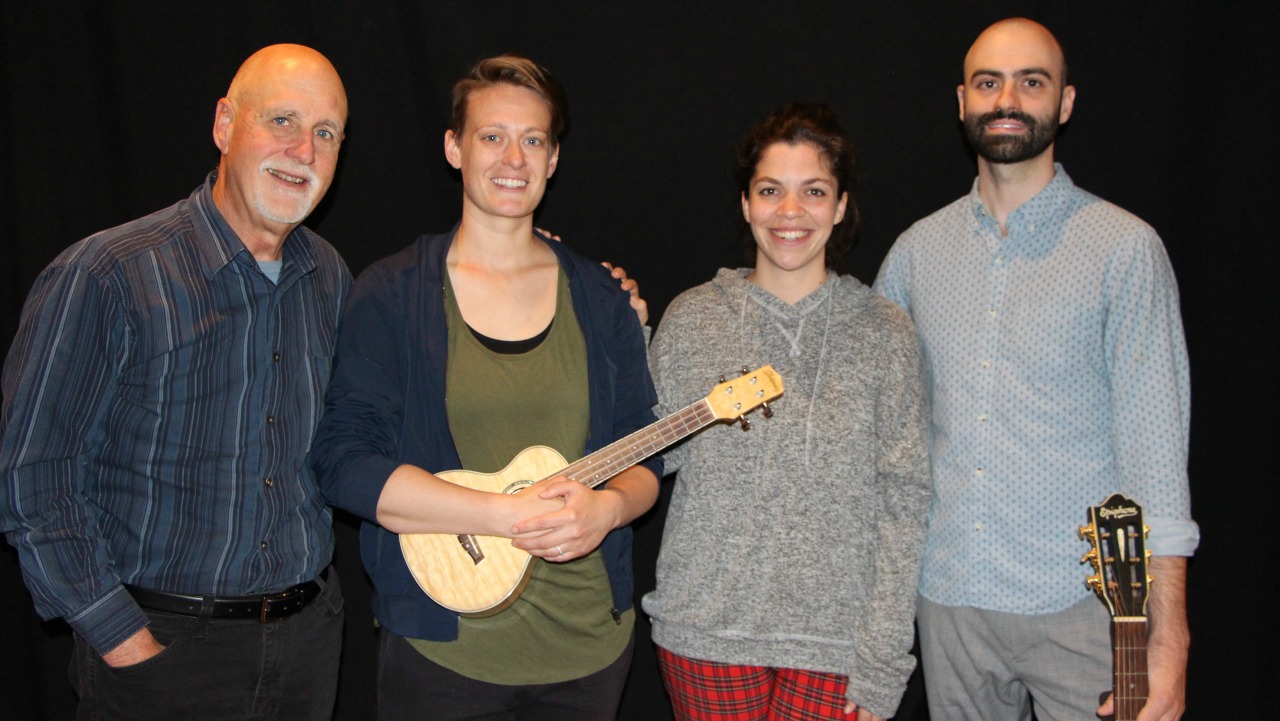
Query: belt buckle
x=267, y=601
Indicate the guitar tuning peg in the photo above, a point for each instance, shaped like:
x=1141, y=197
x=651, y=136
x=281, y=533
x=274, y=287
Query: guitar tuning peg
x=1089, y=556
x=1094, y=582
x=746, y=424
x=722, y=379
x=1084, y=533
x=766, y=410
x=745, y=370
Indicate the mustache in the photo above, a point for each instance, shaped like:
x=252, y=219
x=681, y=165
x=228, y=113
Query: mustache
x=1007, y=114
x=300, y=171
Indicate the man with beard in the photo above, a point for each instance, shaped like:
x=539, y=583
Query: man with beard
x=1058, y=374
x=159, y=402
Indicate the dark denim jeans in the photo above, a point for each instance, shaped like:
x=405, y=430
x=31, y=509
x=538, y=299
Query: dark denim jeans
x=222, y=669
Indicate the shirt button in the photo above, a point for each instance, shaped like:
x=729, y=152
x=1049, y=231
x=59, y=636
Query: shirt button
x=991, y=312
x=979, y=527
x=986, y=364
x=982, y=418
x=267, y=482
x=271, y=420
x=263, y=545
x=275, y=357
x=979, y=473
x=999, y=259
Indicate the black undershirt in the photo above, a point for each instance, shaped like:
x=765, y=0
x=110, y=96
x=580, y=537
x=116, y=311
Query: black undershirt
x=511, y=347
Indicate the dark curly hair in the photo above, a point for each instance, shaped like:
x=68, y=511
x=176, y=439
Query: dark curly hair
x=816, y=124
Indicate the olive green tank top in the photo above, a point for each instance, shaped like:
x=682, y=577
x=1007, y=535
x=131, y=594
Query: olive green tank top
x=563, y=624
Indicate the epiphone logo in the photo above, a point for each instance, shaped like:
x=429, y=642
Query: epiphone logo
x=1113, y=513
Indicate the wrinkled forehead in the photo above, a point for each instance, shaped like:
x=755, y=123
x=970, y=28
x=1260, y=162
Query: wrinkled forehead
x=318, y=97
x=290, y=74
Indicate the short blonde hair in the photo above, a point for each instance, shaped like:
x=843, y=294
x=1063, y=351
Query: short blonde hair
x=512, y=70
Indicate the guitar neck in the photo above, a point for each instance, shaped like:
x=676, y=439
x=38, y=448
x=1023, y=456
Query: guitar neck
x=598, y=467
x=1129, y=662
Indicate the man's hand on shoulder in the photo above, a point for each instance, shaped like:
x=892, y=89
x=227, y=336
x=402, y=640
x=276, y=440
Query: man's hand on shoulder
x=638, y=304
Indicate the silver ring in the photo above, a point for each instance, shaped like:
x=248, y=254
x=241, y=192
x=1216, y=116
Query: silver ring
x=561, y=550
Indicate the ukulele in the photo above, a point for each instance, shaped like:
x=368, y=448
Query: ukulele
x=1119, y=558
x=479, y=576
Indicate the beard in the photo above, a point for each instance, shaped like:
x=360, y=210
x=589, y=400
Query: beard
x=1010, y=148
x=290, y=213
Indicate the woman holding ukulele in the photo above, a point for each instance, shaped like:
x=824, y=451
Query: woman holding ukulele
x=457, y=353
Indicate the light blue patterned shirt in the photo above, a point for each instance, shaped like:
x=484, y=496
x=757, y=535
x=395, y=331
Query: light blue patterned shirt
x=1057, y=369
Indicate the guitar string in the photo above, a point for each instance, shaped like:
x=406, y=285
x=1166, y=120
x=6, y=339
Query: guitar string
x=1129, y=630
x=626, y=452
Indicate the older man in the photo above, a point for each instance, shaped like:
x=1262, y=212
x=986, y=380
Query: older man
x=159, y=402
x=1058, y=374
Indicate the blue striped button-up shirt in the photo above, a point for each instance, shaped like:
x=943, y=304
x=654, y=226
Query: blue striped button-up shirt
x=1057, y=371
x=159, y=402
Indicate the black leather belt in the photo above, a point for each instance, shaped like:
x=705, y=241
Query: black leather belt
x=263, y=607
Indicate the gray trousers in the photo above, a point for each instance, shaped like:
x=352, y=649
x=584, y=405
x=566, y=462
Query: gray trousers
x=990, y=666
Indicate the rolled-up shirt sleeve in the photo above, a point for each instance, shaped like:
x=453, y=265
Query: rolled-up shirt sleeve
x=1150, y=390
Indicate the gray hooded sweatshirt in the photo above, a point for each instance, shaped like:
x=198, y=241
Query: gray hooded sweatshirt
x=796, y=544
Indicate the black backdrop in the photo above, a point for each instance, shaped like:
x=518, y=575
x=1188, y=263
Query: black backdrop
x=107, y=108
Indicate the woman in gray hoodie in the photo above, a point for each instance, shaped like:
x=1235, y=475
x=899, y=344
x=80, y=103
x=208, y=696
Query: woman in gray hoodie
x=787, y=575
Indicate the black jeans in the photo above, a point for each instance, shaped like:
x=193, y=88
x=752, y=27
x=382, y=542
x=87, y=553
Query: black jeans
x=413, y=688
x=222, y=669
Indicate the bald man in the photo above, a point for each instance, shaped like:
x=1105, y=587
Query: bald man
x=1058, y=374
x=159, y=402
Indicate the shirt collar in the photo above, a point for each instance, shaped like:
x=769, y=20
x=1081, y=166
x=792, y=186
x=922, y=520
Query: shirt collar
x=218, y=245
x=1034, y=213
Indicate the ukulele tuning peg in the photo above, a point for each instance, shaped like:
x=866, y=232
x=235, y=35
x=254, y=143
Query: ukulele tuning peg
x=746, y=424
x=766, y=411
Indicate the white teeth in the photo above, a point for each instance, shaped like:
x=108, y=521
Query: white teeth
x=510, y=182
x=286, y=177
x=790, y=234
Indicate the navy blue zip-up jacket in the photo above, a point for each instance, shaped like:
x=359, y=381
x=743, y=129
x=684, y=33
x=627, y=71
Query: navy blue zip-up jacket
x=386, y=407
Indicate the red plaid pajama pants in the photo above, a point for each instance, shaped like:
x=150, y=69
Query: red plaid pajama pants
x=711, y=691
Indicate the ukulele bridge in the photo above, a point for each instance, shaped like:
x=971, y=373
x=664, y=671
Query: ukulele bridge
x=472, y=547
